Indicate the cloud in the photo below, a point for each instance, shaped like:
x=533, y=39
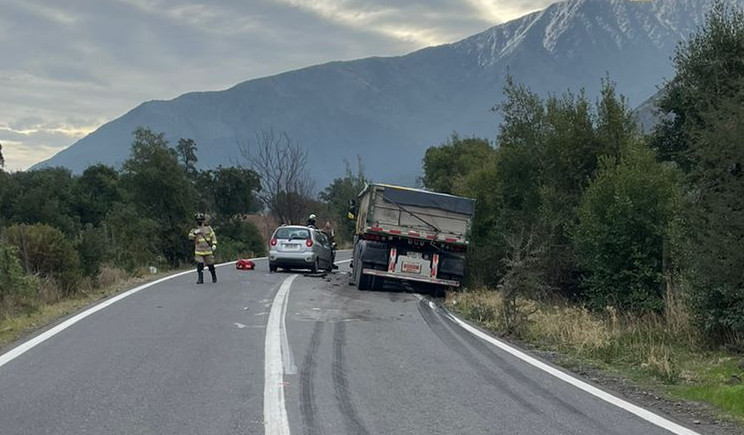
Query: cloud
x=19, y=155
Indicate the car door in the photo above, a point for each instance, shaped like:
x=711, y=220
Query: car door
x=325, y=249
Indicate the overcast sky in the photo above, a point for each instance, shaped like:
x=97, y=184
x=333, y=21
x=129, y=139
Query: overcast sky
x=67, y=67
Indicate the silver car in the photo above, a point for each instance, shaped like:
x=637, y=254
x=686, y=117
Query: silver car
x=300, y=247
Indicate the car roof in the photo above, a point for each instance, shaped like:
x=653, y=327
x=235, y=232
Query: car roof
x=298, y=227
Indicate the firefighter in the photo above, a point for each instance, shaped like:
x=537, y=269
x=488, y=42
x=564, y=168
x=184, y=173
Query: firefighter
x=205, y=243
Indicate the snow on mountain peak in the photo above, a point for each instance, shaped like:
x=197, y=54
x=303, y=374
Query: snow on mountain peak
x=566, y=27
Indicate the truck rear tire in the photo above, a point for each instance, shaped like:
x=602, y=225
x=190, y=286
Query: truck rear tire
x=365, y=282
x=378, y=283
x=352, y=272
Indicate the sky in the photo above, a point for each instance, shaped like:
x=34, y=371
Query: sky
x=68, y=67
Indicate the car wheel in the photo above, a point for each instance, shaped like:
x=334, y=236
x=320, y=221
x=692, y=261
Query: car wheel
x=272, y=267
x=316, y=266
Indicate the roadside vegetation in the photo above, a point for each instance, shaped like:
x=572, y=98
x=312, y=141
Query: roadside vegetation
x=610, y=246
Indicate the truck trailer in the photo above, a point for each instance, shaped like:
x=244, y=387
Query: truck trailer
x=410, y=235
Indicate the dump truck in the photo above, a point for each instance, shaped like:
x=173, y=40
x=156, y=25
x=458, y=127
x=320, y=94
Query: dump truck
x=411, y=235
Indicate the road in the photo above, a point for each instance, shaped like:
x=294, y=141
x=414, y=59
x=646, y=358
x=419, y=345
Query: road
x=279, y=353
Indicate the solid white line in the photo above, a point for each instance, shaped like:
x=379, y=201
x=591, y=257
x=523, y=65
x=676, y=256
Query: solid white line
x=288, y=359
x=607, y=397
x=275, y=411
x=28, y=345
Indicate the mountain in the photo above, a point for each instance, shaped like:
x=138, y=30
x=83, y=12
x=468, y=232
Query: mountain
x=389, y=110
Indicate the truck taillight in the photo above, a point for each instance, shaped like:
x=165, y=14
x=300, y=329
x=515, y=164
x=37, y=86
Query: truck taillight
x=273, y=242
x=309, y=243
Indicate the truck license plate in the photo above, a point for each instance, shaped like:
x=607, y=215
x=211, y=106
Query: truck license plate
x=411, y=267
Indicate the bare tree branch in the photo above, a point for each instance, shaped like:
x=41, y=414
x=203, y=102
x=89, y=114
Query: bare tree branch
x=286, y=186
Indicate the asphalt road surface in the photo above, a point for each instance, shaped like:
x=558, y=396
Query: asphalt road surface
x=281, y=353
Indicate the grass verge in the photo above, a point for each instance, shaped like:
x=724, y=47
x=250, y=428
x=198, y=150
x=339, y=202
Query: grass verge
x=664, y=353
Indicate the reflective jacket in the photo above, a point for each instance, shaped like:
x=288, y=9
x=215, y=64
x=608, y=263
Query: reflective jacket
x=204, y=238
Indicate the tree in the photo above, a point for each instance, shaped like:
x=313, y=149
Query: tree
x=709, y=69
x=233, y=190
x=547, y=152
x=446, y=166
x=286, y=187
x=186, y=150
x=702, y=135
x=97, y=190
x=716, y=217
x=45, y=196
x=160, y=189
x=337, y=196
x=2, y=159
x=625, y=220
x=8, y=191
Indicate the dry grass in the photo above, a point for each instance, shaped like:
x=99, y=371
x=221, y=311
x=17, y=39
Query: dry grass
x=665, y=352
x=110, y=276
x=649, y=343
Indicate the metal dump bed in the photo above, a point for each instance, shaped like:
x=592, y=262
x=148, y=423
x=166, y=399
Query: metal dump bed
x=414, y=213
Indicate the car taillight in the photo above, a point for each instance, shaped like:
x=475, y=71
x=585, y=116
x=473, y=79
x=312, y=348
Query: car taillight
x=273, y=242
x=309, y=243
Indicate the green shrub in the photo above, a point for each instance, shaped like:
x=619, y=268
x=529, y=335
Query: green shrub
x=93, y=250
x=238, y=239
x=133, y=238
x=17, y=290
x=624, y=222
x=44, y=251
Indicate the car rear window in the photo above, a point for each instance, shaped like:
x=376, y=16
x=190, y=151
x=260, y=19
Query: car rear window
x=292, y=233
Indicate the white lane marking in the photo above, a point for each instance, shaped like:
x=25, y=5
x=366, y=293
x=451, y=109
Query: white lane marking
x=240, y=325
x=275, y=411
x=28, y=345
x=607, y=397
x=287, y=358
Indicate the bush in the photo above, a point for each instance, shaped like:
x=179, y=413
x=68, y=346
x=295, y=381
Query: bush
x=238, y=239
x=17, y=290
x=46, y=252
x=625, y=220
x=93, y=250
x=132, y=238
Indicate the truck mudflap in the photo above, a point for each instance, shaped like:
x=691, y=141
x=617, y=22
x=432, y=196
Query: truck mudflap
x=416, y=278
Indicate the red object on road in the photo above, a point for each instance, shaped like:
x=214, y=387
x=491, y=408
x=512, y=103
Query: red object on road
x=245, y=264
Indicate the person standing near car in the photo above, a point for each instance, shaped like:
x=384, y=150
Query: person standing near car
x=328, y=230
x=205, y=243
